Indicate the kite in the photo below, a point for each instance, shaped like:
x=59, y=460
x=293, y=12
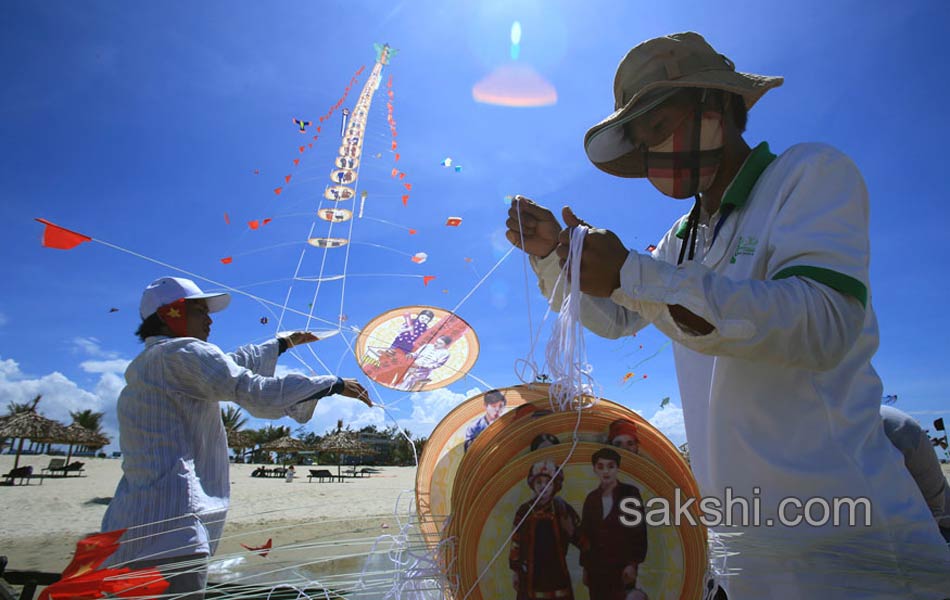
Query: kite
x=278, y=190
x=664, y=401
x=426, y=279
x=446, y=162
x=263, y=320
x=262, y=551
x=303, y=125
x=227, y=260
x=328, y=242
x=335, y=215
x=453, y=221
x=416, y=348
x=61, y=238
x=420, y=257
x=651, y=248
x=113, y=309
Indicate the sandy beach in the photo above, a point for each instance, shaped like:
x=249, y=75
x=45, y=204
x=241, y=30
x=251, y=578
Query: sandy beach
x=307, y=522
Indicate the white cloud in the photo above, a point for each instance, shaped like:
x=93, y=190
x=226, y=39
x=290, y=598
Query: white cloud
x=669, y=420
x=428, y=408
x=91, y=346
x=59, y=394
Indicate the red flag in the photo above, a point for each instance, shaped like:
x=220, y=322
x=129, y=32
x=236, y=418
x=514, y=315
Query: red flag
x=227, y=219
x=296, y=161
x=405, y=200
x=397, y=156
x=253, y=224
x=286, y=178
x=81, y=580
x=227, y=260
x=426, y=279
x=408, y=186
x=310, y=145
x=412, y=232
x=402, y=175
x=314, y=138
x=266, y=221
x=395, y=171
x=302, y=148
x=278, y=190
x=394, y=144
x=318, y=127
x=61, y=238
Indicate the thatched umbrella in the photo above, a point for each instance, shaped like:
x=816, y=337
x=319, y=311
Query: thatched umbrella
x=239, y=440
x=284, y=444
x=73, y=434
x=343, y=442
x=29, y=425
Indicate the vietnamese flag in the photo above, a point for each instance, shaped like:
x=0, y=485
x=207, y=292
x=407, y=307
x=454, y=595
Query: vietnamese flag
x=61, y=238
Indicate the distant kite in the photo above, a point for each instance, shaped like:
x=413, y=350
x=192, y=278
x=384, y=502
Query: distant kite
x=453, y=221
x=303, y=125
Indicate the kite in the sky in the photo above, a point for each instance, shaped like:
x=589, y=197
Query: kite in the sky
x=446, y=162
x=263, y=320
x=453, y=221
x=303, y=125
x=113, y=309
x=420, y=257
x=664, y=401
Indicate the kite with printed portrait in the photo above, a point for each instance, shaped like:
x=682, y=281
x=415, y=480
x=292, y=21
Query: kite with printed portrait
x=416, y=348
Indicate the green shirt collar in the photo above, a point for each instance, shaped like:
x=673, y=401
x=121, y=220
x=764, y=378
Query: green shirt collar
x=738, y=191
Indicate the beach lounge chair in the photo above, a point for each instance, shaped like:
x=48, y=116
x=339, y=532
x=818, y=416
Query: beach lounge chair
x=22, y=473
x=55, y=466
x=76, y=467
x=320, y=474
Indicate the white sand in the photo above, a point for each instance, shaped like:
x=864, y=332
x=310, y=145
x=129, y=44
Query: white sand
x=40, y=524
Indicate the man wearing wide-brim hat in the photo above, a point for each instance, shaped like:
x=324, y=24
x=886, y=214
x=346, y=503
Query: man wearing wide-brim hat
x=174, y=493
x=763, y=287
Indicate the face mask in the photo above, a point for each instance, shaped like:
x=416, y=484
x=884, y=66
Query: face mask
x=686, y=163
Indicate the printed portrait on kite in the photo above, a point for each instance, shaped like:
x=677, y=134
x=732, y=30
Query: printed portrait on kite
x=335, y=215
x=338, y=193
x=328, y=242
x=343, y=176
x=346, y=162
x=417, y=348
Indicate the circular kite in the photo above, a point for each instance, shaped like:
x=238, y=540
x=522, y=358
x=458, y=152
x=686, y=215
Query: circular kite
x=416, y=348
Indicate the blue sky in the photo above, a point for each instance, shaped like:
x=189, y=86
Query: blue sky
x=142, y=123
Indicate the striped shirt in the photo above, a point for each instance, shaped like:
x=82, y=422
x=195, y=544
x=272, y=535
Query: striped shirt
x=174, y=492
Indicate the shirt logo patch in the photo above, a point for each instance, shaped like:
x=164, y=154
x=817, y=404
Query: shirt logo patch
x=745, y=247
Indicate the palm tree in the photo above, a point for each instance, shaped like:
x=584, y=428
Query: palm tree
x=234, y=419
x=88, y=419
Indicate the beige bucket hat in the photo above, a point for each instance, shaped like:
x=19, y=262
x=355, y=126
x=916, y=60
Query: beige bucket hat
x=649, y=74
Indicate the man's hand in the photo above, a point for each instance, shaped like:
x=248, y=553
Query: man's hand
x=299, y=337
x=353, y=389
x=536, y=225
x=602, y=257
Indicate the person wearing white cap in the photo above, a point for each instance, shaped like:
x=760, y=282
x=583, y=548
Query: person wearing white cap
x=173, y=497
x=764, y=289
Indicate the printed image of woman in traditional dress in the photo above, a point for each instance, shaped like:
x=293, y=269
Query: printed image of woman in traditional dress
x=544, y=527
x=612, y=551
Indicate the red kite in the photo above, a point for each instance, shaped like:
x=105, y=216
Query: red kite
x=61, y=238
x=261, y=550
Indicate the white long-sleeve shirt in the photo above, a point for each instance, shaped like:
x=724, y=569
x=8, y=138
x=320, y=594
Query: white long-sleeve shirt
x=174, y=492
x=781, y=396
